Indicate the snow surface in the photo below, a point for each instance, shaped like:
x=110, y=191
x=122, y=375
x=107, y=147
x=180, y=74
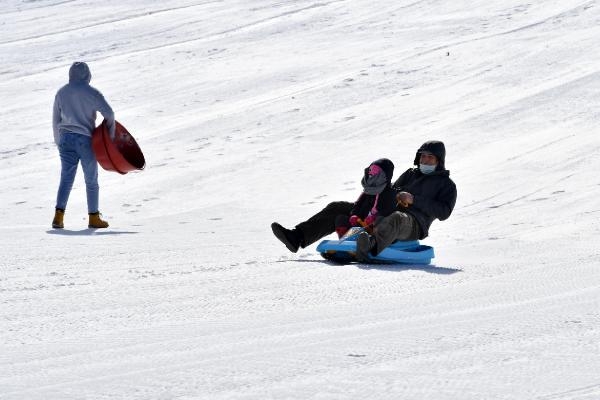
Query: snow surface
x=251, y=112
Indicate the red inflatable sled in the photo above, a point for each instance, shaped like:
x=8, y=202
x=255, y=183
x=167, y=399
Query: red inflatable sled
x=121, y=155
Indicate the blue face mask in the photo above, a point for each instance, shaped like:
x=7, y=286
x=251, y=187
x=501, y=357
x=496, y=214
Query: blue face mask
x=427, y=169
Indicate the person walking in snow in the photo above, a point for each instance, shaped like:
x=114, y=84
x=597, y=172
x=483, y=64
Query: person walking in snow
x=73, y=121
x=423, y=193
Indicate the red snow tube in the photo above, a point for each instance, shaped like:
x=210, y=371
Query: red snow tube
x=121, y=155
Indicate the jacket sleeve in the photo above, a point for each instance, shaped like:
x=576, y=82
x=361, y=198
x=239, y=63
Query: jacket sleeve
x=106, y=111
x=56, y=120
x=441, y=205
x=388, y=203
x=361, y=208
x=402, y=180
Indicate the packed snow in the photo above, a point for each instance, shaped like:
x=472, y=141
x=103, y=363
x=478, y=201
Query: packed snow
x=250, y=112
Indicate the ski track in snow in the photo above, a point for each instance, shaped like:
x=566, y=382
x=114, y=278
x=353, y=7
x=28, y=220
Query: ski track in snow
x=253, y=112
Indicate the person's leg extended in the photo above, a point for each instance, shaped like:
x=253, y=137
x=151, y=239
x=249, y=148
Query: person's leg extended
x=311, y=230
x=323, y=223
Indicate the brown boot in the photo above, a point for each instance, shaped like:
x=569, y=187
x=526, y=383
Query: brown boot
x=57, y=222
x=96, y=222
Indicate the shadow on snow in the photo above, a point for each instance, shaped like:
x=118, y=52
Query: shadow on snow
x=429, y=268
x=87, y=232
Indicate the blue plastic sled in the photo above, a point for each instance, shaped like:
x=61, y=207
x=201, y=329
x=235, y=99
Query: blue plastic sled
x=400, y=252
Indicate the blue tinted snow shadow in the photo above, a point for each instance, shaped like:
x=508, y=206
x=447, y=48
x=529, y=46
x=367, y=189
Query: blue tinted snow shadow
x=429, y=268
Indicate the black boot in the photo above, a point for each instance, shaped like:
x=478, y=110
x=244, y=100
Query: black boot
x=291, y=238
x=365, y=243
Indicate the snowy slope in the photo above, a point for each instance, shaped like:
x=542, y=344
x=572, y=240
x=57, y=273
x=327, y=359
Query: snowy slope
x=251, y=112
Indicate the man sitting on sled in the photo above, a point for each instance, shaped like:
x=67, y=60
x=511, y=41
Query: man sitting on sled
x=424, y=193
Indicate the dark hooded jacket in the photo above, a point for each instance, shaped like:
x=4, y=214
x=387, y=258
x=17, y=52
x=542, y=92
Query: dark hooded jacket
x=386, y=200
x=434, y=194
x=76, y=104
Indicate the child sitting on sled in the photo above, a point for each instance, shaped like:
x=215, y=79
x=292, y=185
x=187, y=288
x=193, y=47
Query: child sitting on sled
x=377, y=200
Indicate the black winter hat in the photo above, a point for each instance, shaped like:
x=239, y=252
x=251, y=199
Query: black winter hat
x=436, y=148
x=386, y=165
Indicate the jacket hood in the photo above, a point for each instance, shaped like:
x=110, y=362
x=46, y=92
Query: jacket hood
x=79, y=73
x=436, y=148
x=386, y=165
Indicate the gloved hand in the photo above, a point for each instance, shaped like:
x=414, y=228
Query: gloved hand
x=354, y=220
x=405, y=199
x=370, y=220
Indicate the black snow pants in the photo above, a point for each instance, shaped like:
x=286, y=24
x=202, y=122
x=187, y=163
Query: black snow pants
x=323, y=223
x=396, y=226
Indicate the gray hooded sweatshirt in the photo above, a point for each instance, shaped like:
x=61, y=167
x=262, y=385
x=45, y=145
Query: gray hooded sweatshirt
x=76, y=104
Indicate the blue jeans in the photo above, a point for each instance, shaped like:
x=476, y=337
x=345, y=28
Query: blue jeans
x=74, y=148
